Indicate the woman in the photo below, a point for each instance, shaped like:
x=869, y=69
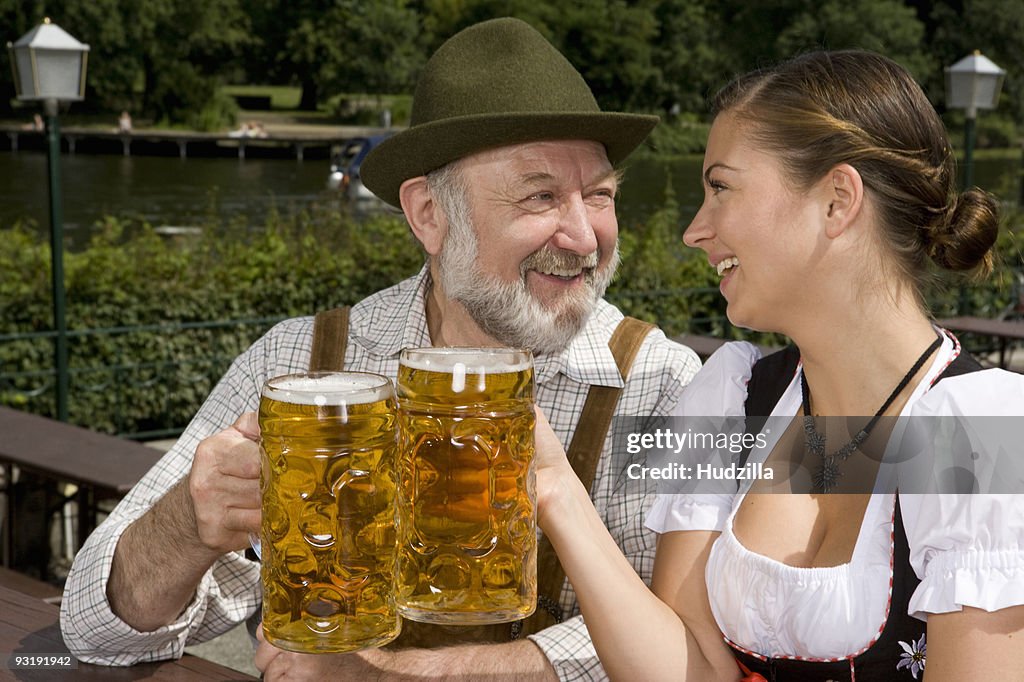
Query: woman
x=829, y=185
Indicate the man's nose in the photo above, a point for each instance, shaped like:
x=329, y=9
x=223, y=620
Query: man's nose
x=575, y=228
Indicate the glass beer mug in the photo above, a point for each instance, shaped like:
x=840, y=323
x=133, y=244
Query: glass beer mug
x=467, y=541
x=329, y=442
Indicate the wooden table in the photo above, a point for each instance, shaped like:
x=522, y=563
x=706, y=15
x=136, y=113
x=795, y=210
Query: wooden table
x=1003, y=331
x=30, y=626
x=100, y=465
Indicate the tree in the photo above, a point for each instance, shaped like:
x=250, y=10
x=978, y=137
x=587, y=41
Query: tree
x=888, y=27
x=689, y=54
x=379, y=45
x=610, y=43
x=309, y=50
x=182, y=48
x=170, y=52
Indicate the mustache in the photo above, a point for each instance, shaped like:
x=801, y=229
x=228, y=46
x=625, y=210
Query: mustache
x=551, y=259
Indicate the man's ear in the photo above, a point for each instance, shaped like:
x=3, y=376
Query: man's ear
x=427, y=220
x=844, y=193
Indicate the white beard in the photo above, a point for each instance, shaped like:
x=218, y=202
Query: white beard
x=506, y=311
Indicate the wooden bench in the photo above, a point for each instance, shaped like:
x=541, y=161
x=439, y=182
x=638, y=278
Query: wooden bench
x=705, y=346
x=101, y=466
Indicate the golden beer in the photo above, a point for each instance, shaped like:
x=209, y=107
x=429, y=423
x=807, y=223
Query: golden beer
x=329, y=443
x=467, y=541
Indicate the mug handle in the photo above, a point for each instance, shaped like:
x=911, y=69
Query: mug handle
x=254, y=542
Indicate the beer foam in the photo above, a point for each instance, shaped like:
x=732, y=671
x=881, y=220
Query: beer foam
x=462, y=361
x=328, y=389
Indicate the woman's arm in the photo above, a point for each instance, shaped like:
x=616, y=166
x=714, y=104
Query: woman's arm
x=973, y=644
x=636, y=634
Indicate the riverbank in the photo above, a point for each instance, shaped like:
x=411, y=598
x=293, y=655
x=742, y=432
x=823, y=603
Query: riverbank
x=262, y=134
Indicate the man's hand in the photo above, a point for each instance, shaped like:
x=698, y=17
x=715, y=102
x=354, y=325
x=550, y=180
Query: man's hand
x=278, y=664
x=163, y=555
x=521, y=661
x=224, y=486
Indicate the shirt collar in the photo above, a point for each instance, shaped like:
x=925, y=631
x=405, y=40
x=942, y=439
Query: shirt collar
x=395, y=318
x=587, y=359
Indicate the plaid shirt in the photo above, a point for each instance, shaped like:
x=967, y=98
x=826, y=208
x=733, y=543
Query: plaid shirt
x=380, y=326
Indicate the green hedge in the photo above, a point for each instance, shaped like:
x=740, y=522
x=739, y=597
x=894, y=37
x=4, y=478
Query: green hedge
x=129, y=276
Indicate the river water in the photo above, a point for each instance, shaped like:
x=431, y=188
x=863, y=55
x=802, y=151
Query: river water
x=181, y=192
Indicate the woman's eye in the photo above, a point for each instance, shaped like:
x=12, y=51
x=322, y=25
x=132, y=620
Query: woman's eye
x=716, y=186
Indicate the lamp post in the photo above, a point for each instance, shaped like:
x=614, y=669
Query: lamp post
x=972, y=83
x=49, y=66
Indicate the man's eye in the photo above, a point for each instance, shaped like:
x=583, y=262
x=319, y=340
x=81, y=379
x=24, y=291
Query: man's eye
x=541, y=196
x=601, y=197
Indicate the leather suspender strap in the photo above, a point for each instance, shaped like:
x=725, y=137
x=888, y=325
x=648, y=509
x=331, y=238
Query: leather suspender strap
x=584, y=454
x=330, y=338
x=588, y=440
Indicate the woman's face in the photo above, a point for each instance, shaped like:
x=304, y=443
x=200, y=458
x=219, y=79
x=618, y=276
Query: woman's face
x=754, y=228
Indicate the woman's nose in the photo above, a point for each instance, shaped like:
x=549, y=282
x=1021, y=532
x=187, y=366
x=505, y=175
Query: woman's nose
x=698, y=230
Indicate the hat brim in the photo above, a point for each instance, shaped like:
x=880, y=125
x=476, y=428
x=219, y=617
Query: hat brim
x=426, y=147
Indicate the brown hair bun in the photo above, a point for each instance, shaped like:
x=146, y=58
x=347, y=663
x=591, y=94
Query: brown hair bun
x=964, y=240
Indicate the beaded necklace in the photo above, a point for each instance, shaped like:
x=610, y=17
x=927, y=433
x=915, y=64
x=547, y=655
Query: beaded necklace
x=826, y=478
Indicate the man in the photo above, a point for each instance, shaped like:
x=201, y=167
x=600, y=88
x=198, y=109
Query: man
x=506, y=178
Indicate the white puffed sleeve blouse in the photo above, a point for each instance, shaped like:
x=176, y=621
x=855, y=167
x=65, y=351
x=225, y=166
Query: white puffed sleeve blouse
x=968, y=550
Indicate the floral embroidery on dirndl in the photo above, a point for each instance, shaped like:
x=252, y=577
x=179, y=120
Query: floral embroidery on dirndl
x=913, y=656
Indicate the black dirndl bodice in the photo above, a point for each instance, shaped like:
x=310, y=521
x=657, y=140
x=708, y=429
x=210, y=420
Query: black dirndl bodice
x=898, y=653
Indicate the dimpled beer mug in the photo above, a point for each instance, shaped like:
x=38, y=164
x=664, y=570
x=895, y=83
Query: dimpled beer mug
x=329, y=443
x=467, y=541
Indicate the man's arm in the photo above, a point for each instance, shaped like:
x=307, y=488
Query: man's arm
x=521, y=660
x=163, y=555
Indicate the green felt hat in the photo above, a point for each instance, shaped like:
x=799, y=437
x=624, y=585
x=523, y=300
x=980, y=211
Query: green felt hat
x=496, y=83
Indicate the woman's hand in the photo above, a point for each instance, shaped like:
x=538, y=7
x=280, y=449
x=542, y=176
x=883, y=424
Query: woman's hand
x=555, y=477
x=549, y=451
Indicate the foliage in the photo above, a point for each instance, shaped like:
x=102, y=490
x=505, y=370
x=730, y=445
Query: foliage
x=131, y=277
x=217, y=112
x=682, y=134
x=689, y=55
x=329, y=46
x=384, y=50
x=160, y=58
x=163, y=59
x=887, y=26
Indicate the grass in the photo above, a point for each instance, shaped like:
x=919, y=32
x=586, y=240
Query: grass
x=359, y=106
x=281, y=96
